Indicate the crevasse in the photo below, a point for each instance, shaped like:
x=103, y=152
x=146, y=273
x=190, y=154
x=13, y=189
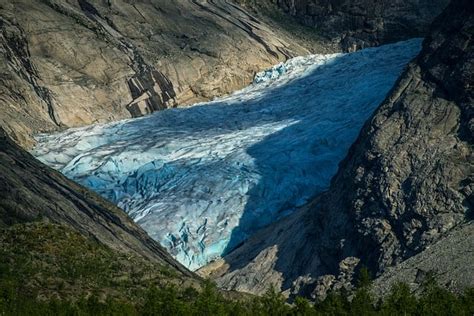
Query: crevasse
x=202, y=179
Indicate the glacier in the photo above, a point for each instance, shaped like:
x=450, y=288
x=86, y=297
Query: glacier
x=201, y=179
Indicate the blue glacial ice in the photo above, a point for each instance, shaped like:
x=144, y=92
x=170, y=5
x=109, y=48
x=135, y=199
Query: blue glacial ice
x=202, y=179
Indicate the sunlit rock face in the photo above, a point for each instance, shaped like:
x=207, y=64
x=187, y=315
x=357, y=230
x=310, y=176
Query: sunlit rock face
x=70, y=63
x=201, y=180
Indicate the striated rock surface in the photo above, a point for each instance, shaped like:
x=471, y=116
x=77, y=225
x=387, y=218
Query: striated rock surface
x=406, y=183
x=77, y=62
x=32, y=192
x=360, y=23
x=450, y=259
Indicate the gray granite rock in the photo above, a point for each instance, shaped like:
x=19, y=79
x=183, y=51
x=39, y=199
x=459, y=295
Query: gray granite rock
x=361, y=23
x=404, y=186
x=71, y=63
x=449, y=261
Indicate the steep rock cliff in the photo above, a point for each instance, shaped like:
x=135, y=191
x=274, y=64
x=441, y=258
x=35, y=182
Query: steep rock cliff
x=77, y=62
x=406, y=183
x=361, y=23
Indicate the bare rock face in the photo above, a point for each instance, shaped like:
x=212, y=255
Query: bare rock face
x=406, y=183
x=77, y=62
x=361, y=23
x=25, y=103
x=33, y=192
x=449, y=258
x=408, y=180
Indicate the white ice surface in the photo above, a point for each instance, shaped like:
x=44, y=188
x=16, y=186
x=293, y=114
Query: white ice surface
x=202, y=179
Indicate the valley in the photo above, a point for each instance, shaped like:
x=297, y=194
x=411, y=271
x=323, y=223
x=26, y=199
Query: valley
x=201, y=180
x=236, y=157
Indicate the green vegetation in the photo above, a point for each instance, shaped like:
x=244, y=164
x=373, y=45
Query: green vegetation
x=209, y=301
x=49, y=269
x=53, y=261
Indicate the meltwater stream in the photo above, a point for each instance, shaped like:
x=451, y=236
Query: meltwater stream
x=202, y=179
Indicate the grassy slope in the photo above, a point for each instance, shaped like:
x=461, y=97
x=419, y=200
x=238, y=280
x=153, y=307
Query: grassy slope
x=47, y=261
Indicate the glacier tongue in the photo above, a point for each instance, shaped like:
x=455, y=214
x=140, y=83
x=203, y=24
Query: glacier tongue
x=202, y=179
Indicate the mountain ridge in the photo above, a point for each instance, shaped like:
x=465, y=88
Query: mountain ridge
x=406, y=182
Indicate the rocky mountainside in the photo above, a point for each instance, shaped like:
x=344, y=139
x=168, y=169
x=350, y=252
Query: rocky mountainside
x=450, y=258
x=406, y=183
x=358, y=24
x=401, y=202
x=202, y=179
x=32, y=192
x=71, y=63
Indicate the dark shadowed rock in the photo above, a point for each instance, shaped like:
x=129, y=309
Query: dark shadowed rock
x=356, y=24
x=406, y=183
x=361, y=23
